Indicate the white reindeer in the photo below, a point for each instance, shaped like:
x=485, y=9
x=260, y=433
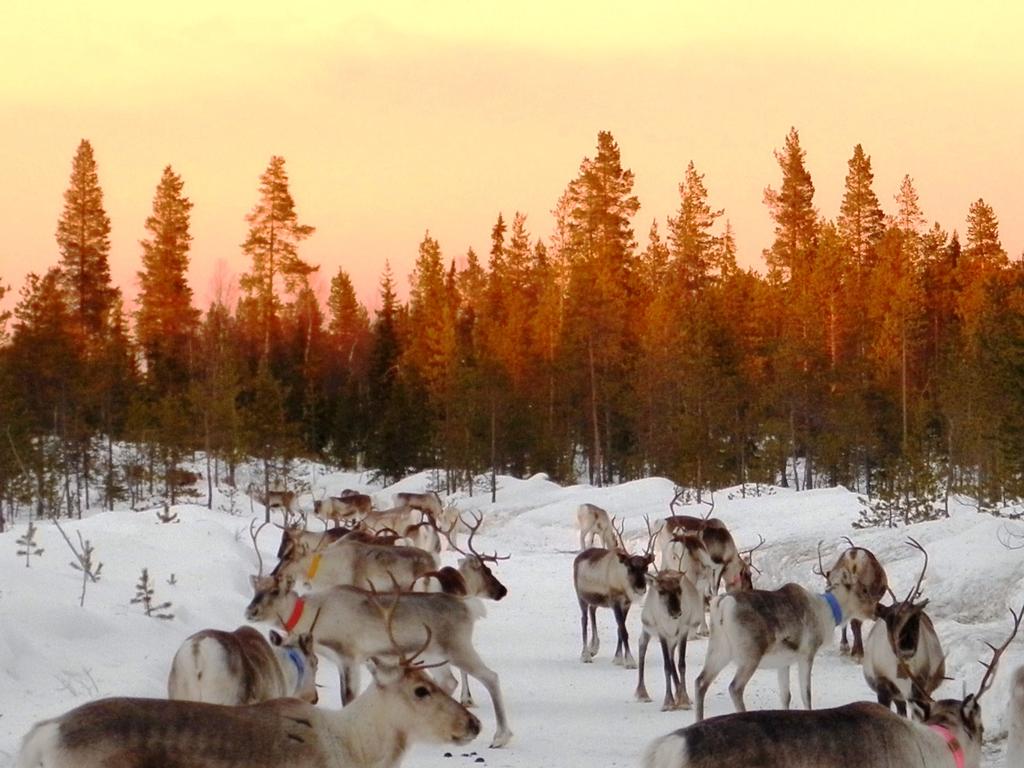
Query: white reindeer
x=241, y=667
x=776, y=629
x=403, y=706
x=349, y=629
x=595, y=525
x=1015, y=716
x=950, y=733
x=673, y=610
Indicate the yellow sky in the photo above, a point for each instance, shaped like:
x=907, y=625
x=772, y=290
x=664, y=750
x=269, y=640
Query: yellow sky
x=397, y=117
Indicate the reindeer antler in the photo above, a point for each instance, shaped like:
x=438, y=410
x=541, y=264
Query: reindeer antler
x=478, y=520
x=749, y=553
x=254, y=535
x=678, y=495
x=1007, y=537
x=820, y=569
x=619, y=531
x=916, y=591
x=652, y=535
x=711, y=507
x=388, y=614
x=990, y=668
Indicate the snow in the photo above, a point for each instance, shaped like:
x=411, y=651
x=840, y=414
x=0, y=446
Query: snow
x=55, y=655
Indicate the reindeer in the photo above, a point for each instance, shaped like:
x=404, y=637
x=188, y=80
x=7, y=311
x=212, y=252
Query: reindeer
x=610, y=579
x=350, y=630
x=402, y=706
x=775, y=629
x=594, y=524
x=286, y=500
x=395, y=519
x=673, y=609
x=350, y=506
x=1015, y=715
x=950, y=733
x=424, y=502
x=359, y=564
x=241, y=667
x=903, y=650
x=864, y=567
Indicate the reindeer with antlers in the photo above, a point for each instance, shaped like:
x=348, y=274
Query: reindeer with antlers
x=673, y=609
x=950, y=732
x=401, y=707
x=349, y=630
x=606, y=578
x=903, y=650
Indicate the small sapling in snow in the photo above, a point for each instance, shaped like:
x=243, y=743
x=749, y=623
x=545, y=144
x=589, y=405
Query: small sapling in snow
x=144, y=595
x=28, y=544
x=166, y=516
x=83, y=560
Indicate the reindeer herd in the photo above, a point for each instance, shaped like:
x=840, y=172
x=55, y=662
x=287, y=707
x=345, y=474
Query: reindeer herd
x=371, y=591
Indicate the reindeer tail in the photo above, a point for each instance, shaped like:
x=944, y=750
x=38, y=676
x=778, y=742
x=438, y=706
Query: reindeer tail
x=39, y=744
x=666, y=752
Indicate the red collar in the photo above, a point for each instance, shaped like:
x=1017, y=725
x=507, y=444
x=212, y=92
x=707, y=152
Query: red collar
x=293, y=620
x=952, y=742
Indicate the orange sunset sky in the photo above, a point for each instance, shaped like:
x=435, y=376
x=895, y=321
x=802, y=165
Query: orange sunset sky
x=398, y=117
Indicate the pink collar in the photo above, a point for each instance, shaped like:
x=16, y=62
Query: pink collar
x=952, y=743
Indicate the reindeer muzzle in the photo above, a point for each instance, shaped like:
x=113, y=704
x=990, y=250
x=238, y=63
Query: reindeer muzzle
x=470, y=732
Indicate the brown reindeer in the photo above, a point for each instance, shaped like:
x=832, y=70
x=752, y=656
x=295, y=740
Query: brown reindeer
x=864, y=568
x=350, y=630
x=606, y=578
x=950, y=733
x=241, y=667
x=338, y=509
x=903, y=650
x=402, y=706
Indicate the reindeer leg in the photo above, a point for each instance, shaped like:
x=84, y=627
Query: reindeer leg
x=858, y=642
x=670, y=676
x=595, y=642
x=844, y=644
x=682, y=699
x=784, y=695
x=804, y=667
x=744, y=671
x=641, y=688
x=626, y=658
x=715, y=660
x=445, y=679
x=467, y=697
x=473, y=665
x=586, y=655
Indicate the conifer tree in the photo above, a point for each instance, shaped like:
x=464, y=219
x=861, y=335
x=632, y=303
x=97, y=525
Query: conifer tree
x=272, y=244
x=792, y=209
x=83, y=239
x=861, y=221
x=166, y=321
x=909, y=218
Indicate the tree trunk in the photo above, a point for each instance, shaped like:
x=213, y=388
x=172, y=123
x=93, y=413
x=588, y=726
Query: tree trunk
x=596, y=462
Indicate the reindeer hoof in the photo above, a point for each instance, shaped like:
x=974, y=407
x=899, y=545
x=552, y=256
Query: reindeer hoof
x=617, y=661
x=629, y=664
x=642, y=696
x=468, y=703
x=683, y=705
x=501, y=738
x=586, y=658
x=844, y=649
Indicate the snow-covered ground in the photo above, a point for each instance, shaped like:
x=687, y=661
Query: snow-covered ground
x=55, y=655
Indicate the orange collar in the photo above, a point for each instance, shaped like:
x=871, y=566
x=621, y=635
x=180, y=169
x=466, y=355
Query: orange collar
x=952, y=742
x=314, y=566
x=293, y=620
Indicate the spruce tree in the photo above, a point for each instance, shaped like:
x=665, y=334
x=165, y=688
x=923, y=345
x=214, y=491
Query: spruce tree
x=792, y=209
x=273, y=246
x=83, y=239
x=166, y=321
x=861, y=221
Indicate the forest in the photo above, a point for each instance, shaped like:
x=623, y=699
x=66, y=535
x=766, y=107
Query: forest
x=872, y=350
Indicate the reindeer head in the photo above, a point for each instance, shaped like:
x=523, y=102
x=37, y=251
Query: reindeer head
x=668, y=588
x=480, y=580
x=299, y=649
x=269, y=591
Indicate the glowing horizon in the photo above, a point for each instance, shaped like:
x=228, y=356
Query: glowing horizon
x=394, y=120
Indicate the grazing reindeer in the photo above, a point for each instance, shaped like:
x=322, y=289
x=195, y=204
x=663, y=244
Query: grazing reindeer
x=351, y=506
x=864, y=567
x=950, y=734
x=241, y=667
x=395, y=519
x=606, y=578
x=350, y=630
x=775, y=629
x=903, y=650
x=1015, y=714
x=355, y=563
x=673, y=609
x=595, y=524
x=422, y=502
x=401, y=707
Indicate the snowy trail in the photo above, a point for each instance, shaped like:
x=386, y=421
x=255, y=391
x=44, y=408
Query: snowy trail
x=55, y=655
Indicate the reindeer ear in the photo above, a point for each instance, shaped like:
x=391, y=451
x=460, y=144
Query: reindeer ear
x=383, y=673
x=254, y=581
x=306, y=643
x=275, y=637
x=970, y=710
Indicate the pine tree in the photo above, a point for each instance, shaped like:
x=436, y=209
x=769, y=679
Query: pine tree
x=27, y=542
x=144, y=595
x=349, y=322
x=272, y=244
x=861, y=221
x=792, y=209
x=909, y=218
x=693, y=245
x=166, y=321
x=83, y=239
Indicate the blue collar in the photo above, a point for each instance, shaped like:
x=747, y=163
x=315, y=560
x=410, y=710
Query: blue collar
x=833, y=603
x=299, y=662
